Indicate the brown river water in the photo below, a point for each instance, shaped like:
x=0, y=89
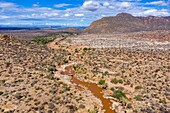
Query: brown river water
x=94, y=88
x=97, y=92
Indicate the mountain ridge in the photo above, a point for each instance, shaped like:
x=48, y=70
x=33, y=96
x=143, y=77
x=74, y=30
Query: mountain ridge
x=124, y=22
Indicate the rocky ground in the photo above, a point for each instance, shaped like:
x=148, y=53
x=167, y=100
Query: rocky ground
x=138, y=78
x=27, y=82
x=137, y=40
x=135, y=63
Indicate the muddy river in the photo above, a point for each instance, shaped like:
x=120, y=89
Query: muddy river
x=96, y=90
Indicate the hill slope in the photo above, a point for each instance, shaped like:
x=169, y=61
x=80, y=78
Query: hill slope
x=124, y=22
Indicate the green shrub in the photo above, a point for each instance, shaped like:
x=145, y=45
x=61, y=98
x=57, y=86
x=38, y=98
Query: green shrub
x=120, y=81
x=115, y=81
x=81, y=106
x=43, y=40
x=129, y=106
x=85, y=49
x=53, y=91
x=76, y=51
x=138, y=87
x=102, y=82
x=113, y=89
x=119, y=94
x=65, y=88
x=50, y=77
x=163, y=101
x=7, y=64
x=123, y=71
x=18, y=95
x=51, y=69
x=93, y=111
x=65, y=61
x=85, y=77
x=138, y=97
x=1, y=92
x=2, y=81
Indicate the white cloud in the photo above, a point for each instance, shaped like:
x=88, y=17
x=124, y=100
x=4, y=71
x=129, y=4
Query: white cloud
x=7, y=5
x=4, y=17
x=106, y=4
x=160, y=3
x=36, y=5
x=91, y=5
x=66, y=15
x=155, y=12
x=125, y=5
x=61, y=5
x=79, y=15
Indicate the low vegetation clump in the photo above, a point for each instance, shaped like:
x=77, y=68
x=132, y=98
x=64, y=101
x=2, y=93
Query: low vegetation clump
x=115, y=81
x=102, y=82
x=138, y=97
x=82, y=106
x=112, y=89
x=2, y=81
x=43, y=40
x=1, y=92
x=93, y=111
x=85, y=49
x=129, y=106
x=138, y=87
x=119, y=94
x=163, y=101
x=51, y=70
x=18, y=95
x=53, y=91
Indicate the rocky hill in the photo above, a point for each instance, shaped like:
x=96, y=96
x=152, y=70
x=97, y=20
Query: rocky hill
x=124, y=22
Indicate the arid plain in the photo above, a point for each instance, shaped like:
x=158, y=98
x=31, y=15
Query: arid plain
x=131, y=70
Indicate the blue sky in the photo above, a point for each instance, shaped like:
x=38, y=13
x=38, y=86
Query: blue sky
x=74, y=12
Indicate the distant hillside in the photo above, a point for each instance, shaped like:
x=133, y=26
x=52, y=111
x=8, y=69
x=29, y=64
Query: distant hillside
x=124, y=22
